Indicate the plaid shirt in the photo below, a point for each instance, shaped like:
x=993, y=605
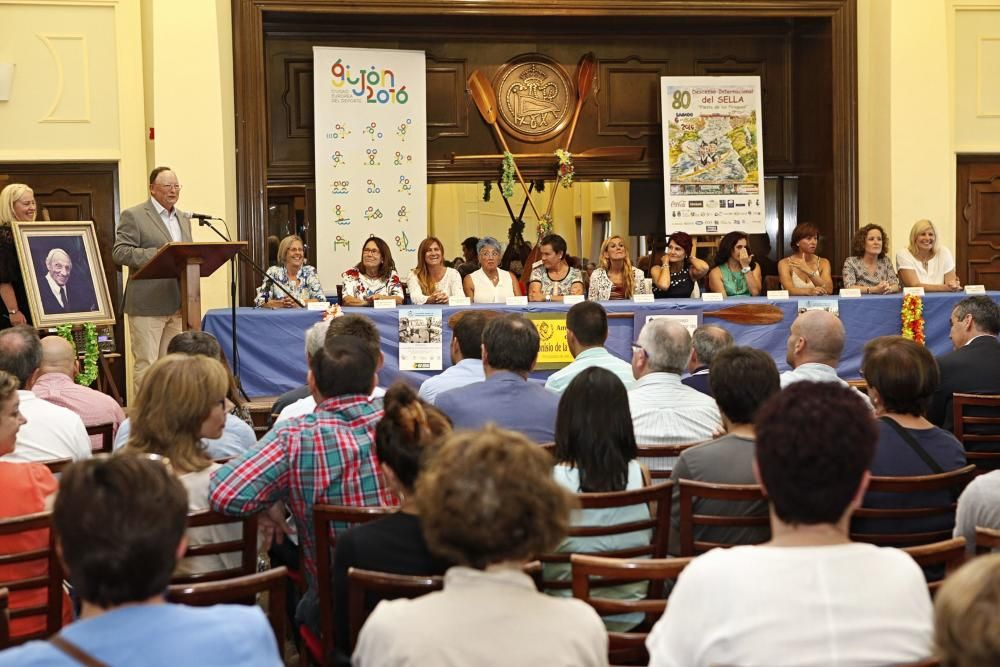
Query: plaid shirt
x=327, y=456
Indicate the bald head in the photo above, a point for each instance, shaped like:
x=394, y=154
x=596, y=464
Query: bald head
x=817, y=336
x=706, y=342
x=58, y=356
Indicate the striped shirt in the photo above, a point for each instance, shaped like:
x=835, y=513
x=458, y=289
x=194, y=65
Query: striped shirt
x=592, y=356
x=327, y=456
x=667, y=412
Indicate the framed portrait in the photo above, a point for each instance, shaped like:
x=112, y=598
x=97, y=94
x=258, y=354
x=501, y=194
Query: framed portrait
x=63, y=274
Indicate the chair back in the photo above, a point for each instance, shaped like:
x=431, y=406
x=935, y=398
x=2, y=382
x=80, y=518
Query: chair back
x=947, y=553
x=323, y=516
x=56, y=466
x=625, y=647
x=656, y=498
x=107, y=433
x=691, y=490
x=953, y=481
x=362, y=583
x=240, y=590
x=978, y=428
x=987, y=540
x=245, y=545
x=50, y=583
x=663, y=457
x=4, y=617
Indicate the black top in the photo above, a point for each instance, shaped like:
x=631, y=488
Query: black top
x=10, y=272
x=681, y=284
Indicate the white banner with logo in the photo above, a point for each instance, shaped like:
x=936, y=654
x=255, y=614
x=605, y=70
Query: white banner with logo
x=713, y=159
x=371, y=155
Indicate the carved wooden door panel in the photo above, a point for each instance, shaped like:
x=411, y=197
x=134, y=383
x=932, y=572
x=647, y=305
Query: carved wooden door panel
x=978, y=215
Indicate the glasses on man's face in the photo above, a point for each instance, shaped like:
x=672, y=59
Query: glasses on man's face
x=170, y=186
x=640, y=349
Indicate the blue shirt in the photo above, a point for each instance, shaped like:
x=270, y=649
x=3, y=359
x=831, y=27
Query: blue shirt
x=507, y=399
x=161, y=635
x=594, y=356
x=237, y=437
x=464, y=372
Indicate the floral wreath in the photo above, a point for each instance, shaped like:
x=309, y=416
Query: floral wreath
x=90, y=354
x=912, y=317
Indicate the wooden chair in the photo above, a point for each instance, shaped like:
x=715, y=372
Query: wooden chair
x=953, y=481
x=362, y=583
x=625, y=647
x=240, y=590
x=662, y=451
x=947, y=553
x=987, y=540
x=657, y=496
x=51, y=583
x=691, y=490
x=321, y=647
x=245, y=545
x=107, y=433
x=56, y=466
x=969, y=427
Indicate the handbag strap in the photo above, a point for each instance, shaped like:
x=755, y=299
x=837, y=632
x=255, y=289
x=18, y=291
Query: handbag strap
x=75, y=652
x=914, y=445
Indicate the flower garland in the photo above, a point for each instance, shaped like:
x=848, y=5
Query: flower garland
x=912, y=316
x=507, y=180
x=332, y=312
x=90, y=354
x=544, y=226
x=566, y=169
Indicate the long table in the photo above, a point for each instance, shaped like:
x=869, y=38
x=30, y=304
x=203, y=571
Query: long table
x=272, y=354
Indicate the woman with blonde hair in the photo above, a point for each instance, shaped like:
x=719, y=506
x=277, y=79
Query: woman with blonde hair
x=431, y=281
x=926, y=264
x=967, y=615
x=196, y=408
x=615, y=278
x=292, y=272
x=17, y=202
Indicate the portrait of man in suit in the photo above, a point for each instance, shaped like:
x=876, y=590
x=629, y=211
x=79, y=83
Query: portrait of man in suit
x=64, y=280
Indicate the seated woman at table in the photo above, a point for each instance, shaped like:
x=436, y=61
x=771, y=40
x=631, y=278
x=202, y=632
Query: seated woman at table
x=679, y=271
x=431, y=281
x=805, y=273
x=735, y=272
x=489, y=283
x=292, y=272
x=555, y=276
x=615, y=278
x=374, y=277
x=869, y=268
x=926, y=264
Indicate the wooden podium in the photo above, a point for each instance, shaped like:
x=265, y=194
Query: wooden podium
x=189, y=263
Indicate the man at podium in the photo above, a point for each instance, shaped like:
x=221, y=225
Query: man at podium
x=153, y=306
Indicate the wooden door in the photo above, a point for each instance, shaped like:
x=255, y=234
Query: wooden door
x=977, y=251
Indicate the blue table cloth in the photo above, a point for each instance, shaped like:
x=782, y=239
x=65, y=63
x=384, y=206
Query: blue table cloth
x=272, y=353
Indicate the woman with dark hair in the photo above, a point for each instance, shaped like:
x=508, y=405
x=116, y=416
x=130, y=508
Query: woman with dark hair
x=680, y=271
x=869, y=267
x=735, y=272
x=431, y=281
x=805, y=273
x=374, y=277
x=555, y=276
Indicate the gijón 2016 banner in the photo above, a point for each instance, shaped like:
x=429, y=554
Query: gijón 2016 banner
x=371, y=155
x=713, y=159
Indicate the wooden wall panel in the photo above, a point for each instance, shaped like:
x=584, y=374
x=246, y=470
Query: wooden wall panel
x=978, y=240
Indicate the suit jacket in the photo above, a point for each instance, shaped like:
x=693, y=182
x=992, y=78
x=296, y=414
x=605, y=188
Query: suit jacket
x=81, y=299
x=507, y=399
x=973, y=369
x=699, y=382
x=139, y=236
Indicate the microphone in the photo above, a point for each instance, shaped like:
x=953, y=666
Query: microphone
x=204, y=216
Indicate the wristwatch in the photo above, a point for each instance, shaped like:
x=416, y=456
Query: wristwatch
x=745, y=269
x=548, y=297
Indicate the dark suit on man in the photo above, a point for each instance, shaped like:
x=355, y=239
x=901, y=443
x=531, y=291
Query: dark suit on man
x=972, y=369
x=78, y=299
x=699, y=380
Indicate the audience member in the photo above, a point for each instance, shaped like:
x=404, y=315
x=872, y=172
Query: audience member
x=120, y=525
x=55, y=384
x=680, y=271
x=395, y=543
x=291, y=272
x=586, y=333
x=901, y=377
x=735, y=272
x=556, y=275
x=742, y=379
x=315, y=335
x=978, y=506
x=52, y=431
x=326, y=456
x=926, y=264
x=488, y=503
x=489, y=283
x=804, y=273
x=656, y=248
x=706, y=342
x=809, y=596
x=973, y=367
x=615, y=278
x=815, y=343
x=967, y=615
x=869, y=268
x=431, y=281
x=28, y=488
x=510, y=348
x=470, y=257
x=374, y=277
x=466, y=356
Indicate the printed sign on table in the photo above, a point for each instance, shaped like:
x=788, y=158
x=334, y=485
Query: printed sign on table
x=420, y=339
x=553, y=350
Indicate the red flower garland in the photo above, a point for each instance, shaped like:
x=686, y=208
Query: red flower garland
x=912, y=316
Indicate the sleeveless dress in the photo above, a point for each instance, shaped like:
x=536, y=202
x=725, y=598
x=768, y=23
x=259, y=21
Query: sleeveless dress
x=681, y=284
x=487, y=292
x=735, y=282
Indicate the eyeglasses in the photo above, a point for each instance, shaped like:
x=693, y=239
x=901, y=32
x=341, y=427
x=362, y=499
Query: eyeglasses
x=370, y=251
x=489, y=253
x=170, y=186
x=639, y=348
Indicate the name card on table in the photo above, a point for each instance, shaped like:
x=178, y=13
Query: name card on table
x=643, y=298
x=317, y=305
x=517, y=301
x=975, y=289
x=777, y=294
x=382, y=304
x=712, y=296
x=459, y=301
x=850, y=293
x=570, y=299
x=916, y=291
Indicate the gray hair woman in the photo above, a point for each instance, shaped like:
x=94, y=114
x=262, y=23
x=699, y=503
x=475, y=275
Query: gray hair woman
x=490, y=284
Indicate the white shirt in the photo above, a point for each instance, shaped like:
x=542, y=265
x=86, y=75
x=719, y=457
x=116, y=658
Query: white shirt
x=55, y=288
x=666, y=412
x=306, y=405
x=815, y=372
x=941, y=263
x=451, y=285
x=591, y=357
x=845, y=605
x=51, y=432
x=486, y=291
x=979, y=505
x=463, y=373
x=169, y=219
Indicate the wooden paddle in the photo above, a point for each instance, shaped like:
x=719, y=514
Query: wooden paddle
x=748, y=313
x=584, y=78
x=486, y=101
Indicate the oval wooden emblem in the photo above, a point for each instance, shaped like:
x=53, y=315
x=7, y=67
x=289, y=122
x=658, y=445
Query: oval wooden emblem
x=534, y=97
